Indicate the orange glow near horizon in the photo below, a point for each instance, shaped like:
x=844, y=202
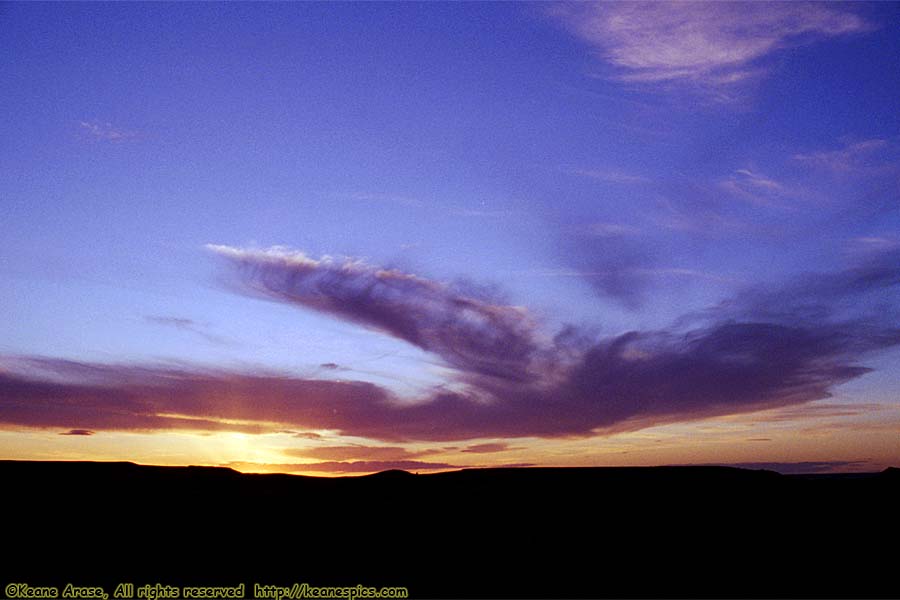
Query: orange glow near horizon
x=854, y=437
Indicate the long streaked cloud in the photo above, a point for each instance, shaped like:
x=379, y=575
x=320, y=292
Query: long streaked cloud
x=766, y=349
x=356, y=466
x=373, y=466
x=818, y=410
x=486, y=448
x=713, y=44
x=358, y=452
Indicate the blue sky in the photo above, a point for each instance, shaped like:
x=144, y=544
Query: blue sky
x=599, y=168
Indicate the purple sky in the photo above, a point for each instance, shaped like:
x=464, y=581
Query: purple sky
x=450, y=234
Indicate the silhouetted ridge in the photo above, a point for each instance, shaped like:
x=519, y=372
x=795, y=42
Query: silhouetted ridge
x=535, y=533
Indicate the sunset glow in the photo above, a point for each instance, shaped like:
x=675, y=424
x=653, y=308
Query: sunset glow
x=339, y=238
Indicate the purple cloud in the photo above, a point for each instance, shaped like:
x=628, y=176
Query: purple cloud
x=765, y=349
x=472, y=334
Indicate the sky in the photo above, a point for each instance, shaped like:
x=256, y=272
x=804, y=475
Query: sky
x=339, y=238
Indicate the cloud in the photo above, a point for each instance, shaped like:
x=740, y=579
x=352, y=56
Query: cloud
x=610, y=175
x=369, y=453
x=329, y=365
x=486, y=448
x=482, y=213
x=863, y=288
x=713, y=44
x=386, y=199
x=767, y=348
x=756, y=188
x=56, y=393
x=361, y=466
x=613, y=261
x=77, y=432
x=817, y=410
x=106, y=132
x=476, y=335
x=611, y=229
x=852, y=157
x=373, y=466
x=696, y=212
x=188, y=325
x=876, y=243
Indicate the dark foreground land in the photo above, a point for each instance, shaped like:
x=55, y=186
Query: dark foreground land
x=546, y=533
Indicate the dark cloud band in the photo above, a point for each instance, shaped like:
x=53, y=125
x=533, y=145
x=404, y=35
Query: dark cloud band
x=741, y=359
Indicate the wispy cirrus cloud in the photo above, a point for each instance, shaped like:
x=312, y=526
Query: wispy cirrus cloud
x=107, y=132
x=817, y=410
x=878, y=243
x=852, y=157
x=757, y=189
x=715, y=45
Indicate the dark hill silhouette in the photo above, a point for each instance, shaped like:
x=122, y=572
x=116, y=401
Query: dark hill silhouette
x=536, y=532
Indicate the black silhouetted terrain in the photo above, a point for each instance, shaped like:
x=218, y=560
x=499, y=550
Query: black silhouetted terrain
x=633, y=532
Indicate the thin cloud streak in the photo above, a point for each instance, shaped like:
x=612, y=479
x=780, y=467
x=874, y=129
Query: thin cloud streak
x=757, y=189
x=486, y=448
x=610, y=175
x=188, y=325
x=368, y=453
x=360, y=466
